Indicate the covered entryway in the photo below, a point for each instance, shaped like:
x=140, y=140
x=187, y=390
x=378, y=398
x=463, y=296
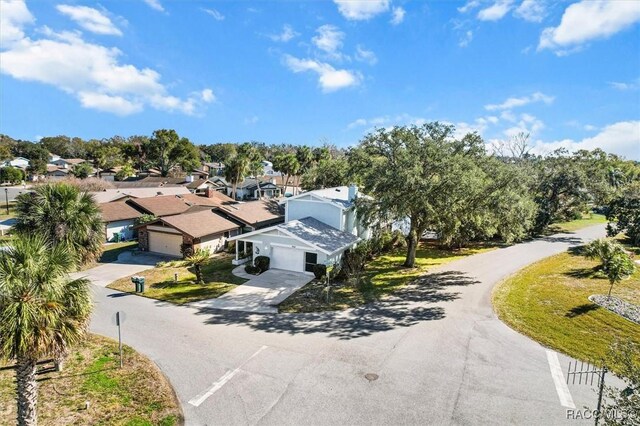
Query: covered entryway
x=287, y=258
x=160, y=242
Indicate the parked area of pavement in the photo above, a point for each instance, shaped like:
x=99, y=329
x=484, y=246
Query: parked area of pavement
x=127, y=264
x=434, y=354
x=261, y=294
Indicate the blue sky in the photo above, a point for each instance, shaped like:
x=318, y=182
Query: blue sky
x=308, y=72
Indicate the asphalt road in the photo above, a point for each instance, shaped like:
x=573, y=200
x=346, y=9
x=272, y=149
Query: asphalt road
x=436, y=354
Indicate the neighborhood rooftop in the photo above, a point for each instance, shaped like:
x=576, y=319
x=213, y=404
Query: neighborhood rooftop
x=319, y=234
x=199, y=223
x=253, y=212
x=118, y=210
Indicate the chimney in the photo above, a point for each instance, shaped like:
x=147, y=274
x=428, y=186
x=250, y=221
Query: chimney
x=353, y=192
x=208, y=192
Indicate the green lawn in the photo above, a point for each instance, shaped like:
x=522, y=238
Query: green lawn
x=160, y=281
x=548, y=301
x=383, y=276
x=3, y=211
x=137, y=394
x=588, y=219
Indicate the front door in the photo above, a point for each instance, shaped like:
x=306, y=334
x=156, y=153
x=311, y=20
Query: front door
x=310, y=261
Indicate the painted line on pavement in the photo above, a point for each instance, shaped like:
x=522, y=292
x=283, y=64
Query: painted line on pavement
x=558, y=380
x=221, y=381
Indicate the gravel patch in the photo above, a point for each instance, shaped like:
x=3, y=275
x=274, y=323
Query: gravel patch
x=618, y=306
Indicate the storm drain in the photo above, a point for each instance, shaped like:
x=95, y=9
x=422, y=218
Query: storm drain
x=371, y=376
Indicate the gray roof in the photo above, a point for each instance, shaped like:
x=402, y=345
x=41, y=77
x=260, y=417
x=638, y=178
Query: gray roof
x=319, y=234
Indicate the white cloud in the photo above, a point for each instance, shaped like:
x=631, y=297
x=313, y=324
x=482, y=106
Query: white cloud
x=251, y=120
x=90, y=72
x=531, y=10
x=625, y=86
x=207, y=96
x=470, y=5
x=213, y=12
x=329, y=40
x=589, y=20
x=364, y=55
x=466, y=39
x=90, y=19
x=14, y=15
x=496, y=11
x=622, y=138
x=511, y=103
x=113, y=104
x=360, y=122
x=155, y=4
x=398, y=15
x=527, y=124
x=286, y=35
x=361, y=10
x=329, y=78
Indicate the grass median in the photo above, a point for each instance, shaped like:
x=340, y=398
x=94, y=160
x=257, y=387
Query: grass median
x=548, y=301
x=92, y=390
x=161, y=283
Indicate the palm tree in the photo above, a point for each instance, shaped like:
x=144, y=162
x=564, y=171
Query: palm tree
x=64, y=215
x=256, y=168
x=197, y=259
x=42, y=313
x=235, y=169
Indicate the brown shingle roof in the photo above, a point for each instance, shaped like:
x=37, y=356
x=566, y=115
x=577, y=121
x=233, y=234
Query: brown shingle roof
x=200, y=223
x=217, y=198
x=118, y=210
x=74, y=160
x=254, y=213
x=163, y=205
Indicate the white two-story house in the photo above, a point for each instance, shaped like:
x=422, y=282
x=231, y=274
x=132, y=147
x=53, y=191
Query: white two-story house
x=319, y=227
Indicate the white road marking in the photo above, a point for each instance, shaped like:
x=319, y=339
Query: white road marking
x=221, y=381
x=558, y=380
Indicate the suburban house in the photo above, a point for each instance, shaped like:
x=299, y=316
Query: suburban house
x=67, y=163
x=213, y=168
x=253, y=215
x=200, y=186
x=109, y=174
x=199, y=227
x=119, y=217
x=19, y=162
x=248, y=189
x=108, y=195
x=56, y=172
x=120, y=211
x=319, y=227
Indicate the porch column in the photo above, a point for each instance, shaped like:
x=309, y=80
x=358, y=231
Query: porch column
x=237, y=244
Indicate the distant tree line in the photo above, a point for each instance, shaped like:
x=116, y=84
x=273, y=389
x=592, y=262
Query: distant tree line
x=452, y=186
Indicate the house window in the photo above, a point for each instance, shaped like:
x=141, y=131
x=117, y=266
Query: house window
x=310, y=261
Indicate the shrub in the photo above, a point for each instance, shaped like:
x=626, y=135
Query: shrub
x=186, y=250
x=320, y=271
x=398, y=239
x=262, y=262
x=145, y=218
x=253, y=270
x=231, y=247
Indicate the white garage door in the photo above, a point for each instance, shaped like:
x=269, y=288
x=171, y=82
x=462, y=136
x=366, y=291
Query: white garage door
x=159, y=242
x=289, y=259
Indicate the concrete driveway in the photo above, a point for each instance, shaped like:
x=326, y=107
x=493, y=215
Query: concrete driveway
x=127, y=264
x=261, y=294
x=435, y=354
